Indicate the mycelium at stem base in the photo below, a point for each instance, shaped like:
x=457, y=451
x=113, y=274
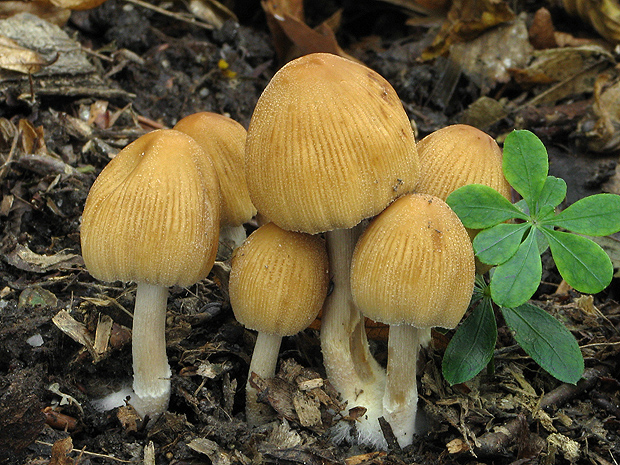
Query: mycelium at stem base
x=151, y=383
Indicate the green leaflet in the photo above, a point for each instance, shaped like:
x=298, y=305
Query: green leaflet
x=547, y=341
x=471, y=347
x=481, y=207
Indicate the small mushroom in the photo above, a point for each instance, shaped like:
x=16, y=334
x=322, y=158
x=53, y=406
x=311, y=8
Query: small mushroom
x=456, y=156
x=459, y=155
x=152, y=216
x=278, y=283
x=413, y=268
x=223, y=140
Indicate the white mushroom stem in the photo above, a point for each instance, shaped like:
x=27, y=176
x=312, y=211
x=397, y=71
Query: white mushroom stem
x=232, y=236
x=264, y=361
x=350, y=366
x=400, y=402
x=151, y=372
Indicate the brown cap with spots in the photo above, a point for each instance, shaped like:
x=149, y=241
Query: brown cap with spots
x=414, y=265
x=329, y=144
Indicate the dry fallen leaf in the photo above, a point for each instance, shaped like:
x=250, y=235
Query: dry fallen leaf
x=599, y=127
x=292, y=37
x=14, y=57
x=77, y=4
x=466, y=20
x=25, y=259
x=60, y=450
x=602, y=15
x=41, y=8
x=487, y=59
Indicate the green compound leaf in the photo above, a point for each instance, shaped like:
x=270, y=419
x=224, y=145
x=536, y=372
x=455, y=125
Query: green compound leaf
x=496, y=245
x=581, y=262
x=547, y=341
x=471, y=347
x=553, y=192
x=525, y=165
x=516, y=280
x=596, y=215
x=481, y=207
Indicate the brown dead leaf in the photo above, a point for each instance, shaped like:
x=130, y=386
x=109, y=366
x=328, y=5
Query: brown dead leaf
x=292, y=37
x=364, y=459
x=14, y=57
x=487, y=59
x=102, y=335
x=211, y=449
x=457, y=446
x=99, y=114
x=599, y=127
x=77, y=4
x=275, y=10
x=466, y=20
x=75, y=330
x=128, y=418
x=602, y=15
x=32, y=138
x=60, y=451
x=36, y=296
x=307, y=409
x=42, y=9
x=23, y=258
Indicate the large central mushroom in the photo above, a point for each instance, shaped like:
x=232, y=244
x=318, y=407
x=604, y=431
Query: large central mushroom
x=329, y=144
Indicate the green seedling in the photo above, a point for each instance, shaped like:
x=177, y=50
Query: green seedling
x=512, y=238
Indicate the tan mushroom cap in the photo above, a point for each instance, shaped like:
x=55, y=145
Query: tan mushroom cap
x=153, y=213
x=278, y=280
x=459, y=155
x=329, y=144
x=223, y=139
x=414, y=265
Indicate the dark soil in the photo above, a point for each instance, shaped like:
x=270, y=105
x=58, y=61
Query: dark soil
x=154, y=70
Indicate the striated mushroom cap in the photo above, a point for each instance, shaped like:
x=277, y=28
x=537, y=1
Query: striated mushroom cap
x=278, y=280
x=153, y=213
x=329, y=144
x=456, y=156
x=223, y=140
x=414, y=265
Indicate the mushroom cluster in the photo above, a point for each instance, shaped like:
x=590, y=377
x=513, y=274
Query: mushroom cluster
x=330, y=162
x=329, y=145
x=154, y=216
